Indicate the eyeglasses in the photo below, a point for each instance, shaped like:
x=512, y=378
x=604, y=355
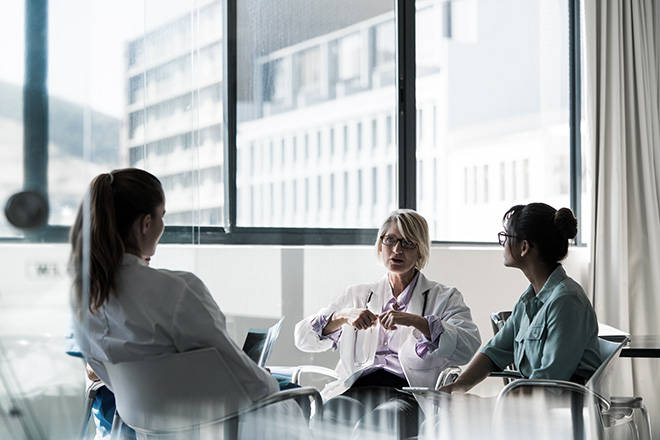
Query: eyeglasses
x=390, y=241
x=502, y=237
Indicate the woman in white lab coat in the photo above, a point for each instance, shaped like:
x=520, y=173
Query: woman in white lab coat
x=126, y=310
x=402, y=330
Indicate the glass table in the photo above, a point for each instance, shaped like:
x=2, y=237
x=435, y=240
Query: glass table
x=640, y=346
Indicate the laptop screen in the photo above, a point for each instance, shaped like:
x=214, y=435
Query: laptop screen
x=259, y=342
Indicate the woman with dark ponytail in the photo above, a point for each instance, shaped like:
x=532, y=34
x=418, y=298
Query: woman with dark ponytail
x=126, y=310
x=553, y=331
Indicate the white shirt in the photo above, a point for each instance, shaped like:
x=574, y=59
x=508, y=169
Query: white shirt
x=157, y=311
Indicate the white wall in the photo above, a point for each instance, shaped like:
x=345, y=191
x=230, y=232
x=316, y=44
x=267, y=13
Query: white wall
x=270, y=281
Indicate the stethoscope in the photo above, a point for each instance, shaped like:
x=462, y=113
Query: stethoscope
x=362, y=363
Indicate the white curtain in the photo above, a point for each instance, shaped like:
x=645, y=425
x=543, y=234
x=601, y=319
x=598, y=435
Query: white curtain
x=622, y=71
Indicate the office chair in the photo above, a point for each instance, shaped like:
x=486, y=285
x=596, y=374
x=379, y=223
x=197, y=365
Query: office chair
x=595, y=393
x=194, y=394
x=622, y=409
x=295, y=374
x=90, y=394
x=497, y=321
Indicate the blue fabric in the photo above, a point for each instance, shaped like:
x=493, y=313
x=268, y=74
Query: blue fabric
x=103, y=410
x=103, y=407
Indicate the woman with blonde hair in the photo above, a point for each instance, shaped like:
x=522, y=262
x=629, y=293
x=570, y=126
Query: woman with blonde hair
x=402, y=330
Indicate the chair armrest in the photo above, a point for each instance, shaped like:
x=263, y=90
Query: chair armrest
x=558, y=384
x=293, y=393
x=92, y=389
x=294, y=373
x=447, y=376
x=511, y=374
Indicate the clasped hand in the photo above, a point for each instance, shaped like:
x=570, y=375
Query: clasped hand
x=363, y=319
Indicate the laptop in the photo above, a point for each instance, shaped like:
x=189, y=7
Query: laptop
x=259, y=343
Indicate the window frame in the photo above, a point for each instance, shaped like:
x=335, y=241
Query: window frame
x=36, y=159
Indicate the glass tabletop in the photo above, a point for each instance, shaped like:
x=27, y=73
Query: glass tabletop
x=642, y=346
x=639, y=346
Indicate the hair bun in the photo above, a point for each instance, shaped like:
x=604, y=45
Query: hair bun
x=566, y=223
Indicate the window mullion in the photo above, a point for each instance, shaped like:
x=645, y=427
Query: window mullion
x=229, y=115
x=575, y=108
x=406, y=105
x=35, y=97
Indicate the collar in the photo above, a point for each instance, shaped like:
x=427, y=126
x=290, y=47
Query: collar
x=404, y=298
x=130, y=260
x=417, y=294
x=548, y=289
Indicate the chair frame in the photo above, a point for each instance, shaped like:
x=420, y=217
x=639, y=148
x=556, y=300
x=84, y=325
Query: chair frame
x=621, y=408
x=591, y=390
x=119, y=385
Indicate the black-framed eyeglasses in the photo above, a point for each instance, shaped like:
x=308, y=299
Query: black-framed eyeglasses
x=390, y=241
x=502, y=236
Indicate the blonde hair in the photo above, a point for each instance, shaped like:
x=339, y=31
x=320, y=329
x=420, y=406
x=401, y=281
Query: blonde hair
x=413, y=227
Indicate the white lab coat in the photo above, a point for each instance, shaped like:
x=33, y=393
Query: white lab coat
x=357, y=349
x=157, y=311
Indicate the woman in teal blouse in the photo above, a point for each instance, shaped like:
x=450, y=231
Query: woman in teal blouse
x=553, y=331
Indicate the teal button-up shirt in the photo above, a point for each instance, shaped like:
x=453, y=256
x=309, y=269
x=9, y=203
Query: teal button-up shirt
x=552, y=335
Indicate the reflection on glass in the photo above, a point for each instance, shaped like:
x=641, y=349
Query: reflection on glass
x=174, y=115
x=493, y=115
x=325, y=90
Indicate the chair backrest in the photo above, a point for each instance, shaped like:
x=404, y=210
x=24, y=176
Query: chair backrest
x=609, y=352
x=497, y=320
x=176, y=391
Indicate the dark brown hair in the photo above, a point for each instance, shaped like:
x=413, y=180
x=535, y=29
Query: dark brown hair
x=102, y=232
x=545, y=227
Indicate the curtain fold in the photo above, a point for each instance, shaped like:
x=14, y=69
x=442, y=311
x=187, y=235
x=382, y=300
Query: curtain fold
x=622, y=70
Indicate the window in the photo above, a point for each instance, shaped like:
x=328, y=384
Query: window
x=309, y=73
x=348, y=57
x=315, y=112
x=498, y=97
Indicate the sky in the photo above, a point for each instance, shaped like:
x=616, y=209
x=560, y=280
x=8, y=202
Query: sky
x=86, y=45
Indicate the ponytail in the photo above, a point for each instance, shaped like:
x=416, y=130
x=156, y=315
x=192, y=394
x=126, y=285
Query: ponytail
x=102, y=232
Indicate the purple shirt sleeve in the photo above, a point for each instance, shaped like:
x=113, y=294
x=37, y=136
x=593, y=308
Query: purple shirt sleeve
x=424, y=344
x=318, y=323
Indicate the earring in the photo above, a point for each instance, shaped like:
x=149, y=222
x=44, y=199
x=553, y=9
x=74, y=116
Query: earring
x=522, y=254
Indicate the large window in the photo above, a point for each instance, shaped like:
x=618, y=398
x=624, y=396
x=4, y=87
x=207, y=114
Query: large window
x=492, y=112
x=306, y=134
x=329, y=88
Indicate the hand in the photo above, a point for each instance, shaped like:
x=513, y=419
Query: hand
x=91, y=375
x=361, y=319
x=453, y=388
x=391, y=318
